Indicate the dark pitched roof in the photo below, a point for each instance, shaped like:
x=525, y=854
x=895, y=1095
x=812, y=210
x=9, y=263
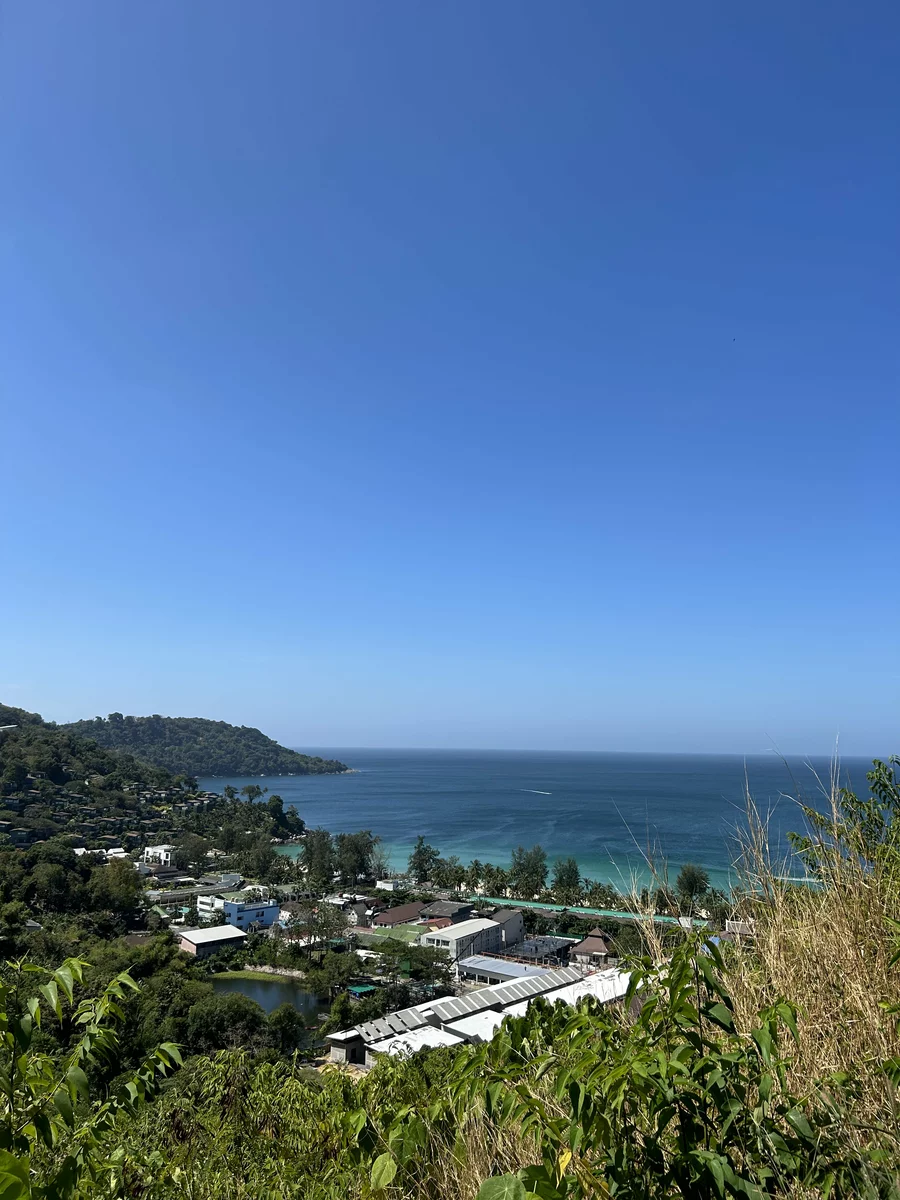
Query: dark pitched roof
x=591, y=945
x=399, y=914
x=502, y=915
x=446, y=908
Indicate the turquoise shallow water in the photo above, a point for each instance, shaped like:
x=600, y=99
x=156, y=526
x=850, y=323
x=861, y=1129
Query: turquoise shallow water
x=602, y=808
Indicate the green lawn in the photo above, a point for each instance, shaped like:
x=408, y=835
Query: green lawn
x=247, y=975
x=400, y=933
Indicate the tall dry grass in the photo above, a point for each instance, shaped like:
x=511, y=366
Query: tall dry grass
x=826, y=945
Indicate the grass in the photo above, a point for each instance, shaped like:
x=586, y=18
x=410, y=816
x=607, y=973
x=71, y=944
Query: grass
x=400, y=933
x=266, y=976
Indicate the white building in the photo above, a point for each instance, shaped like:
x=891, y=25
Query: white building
x=478, y=936
x=474, y=1017
x=164, y=855
x=204, y=942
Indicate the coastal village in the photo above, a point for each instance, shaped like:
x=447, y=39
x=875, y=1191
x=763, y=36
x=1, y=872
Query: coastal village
x=493, y=956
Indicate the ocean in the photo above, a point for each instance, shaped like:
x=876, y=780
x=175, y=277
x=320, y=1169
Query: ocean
x=603, y=808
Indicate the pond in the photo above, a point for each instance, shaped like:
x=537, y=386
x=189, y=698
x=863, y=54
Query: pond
x=270, y=993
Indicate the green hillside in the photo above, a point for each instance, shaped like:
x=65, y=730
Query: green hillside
x=196, y=746
x=60, y=755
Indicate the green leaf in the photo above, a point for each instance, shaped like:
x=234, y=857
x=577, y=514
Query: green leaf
x=64, y=1107
x=799, y=1122
x=504, y=1187
x=14, y=1177
x=384, y=1169
x=51, y=992
x=78, y=1084
x=64, y=980
x=721, y=1016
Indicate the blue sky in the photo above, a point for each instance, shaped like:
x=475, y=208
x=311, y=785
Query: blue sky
x=506, y=375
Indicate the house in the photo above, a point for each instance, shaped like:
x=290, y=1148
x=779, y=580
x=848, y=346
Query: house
x=593, y=950
x=164, y=855
x=398, y=915
x=452, y=910
x=389, y=885
x=204, y=942
x=244, y=913
x=478, y=936
x=512, y=926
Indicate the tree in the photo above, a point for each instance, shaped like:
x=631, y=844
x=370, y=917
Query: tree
x=566, y=886
x=495, y=880
x=474, y=873
x=602, y=895
x=528, y=872
x=691, y=883
x=116, y=887
x=223, y=1020
x=51, y=1135
x=381, y=863
x=449, y=872
x=192, y=852
x=318, y=857
x=287, y=1031
x=354, y=855
x=253, y=792
x=423, y=860
x=341, y=1015
x=258, y=857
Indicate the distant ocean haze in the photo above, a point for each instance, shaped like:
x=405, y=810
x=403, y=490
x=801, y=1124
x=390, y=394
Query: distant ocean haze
x=604, y=809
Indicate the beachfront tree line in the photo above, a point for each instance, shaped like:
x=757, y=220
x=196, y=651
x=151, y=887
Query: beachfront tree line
x=529, y=876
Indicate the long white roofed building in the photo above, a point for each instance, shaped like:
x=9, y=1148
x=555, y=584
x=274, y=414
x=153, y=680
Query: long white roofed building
x=473, y=1018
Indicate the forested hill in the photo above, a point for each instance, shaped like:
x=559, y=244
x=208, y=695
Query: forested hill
x=62, y=755
x=196, y=746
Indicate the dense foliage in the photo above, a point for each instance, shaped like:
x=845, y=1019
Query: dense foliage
x=56, y=756
x=663, y=1099
x=196, y=746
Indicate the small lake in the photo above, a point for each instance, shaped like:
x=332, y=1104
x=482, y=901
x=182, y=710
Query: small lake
x=270, y=993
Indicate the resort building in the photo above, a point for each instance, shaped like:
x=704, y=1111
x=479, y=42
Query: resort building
x=474, y=1017
x=164, y=855
x=204, y=942
x=480, y=968
x=594, y=950
x=512, y=926
x=478, y=936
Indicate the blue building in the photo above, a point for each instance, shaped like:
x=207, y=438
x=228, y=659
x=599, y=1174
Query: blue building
x=244, y=914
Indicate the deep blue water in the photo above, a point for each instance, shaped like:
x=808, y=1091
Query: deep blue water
x=602, y=808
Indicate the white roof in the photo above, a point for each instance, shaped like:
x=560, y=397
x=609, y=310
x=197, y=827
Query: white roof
x=217, y=933
x=605, y=986
x=392, y=1023
x=500, y=967
x=465, y=928
x=404, y=1044
x=478, y=1027
x=517, y=1010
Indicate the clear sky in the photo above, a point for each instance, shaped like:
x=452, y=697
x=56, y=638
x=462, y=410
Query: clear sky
x=498, y=374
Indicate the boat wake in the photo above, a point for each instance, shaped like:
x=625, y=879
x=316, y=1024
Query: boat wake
x=535, y=792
